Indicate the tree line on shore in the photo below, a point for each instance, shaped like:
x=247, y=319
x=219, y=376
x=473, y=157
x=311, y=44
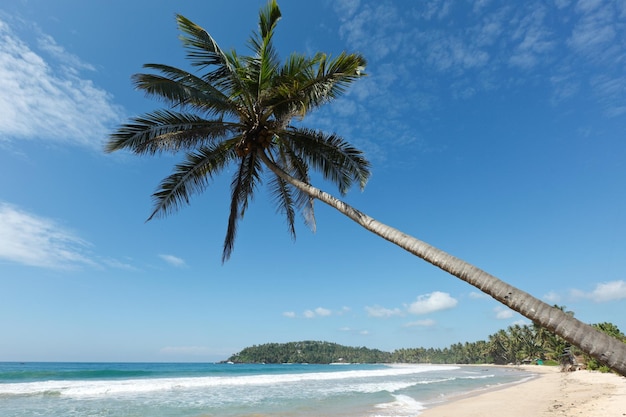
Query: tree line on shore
x=516, y=344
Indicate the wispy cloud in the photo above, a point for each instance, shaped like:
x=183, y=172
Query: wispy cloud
x=421, y=323
x=44, y=97
x=33, y=240
x=595, y=29
x=36, y=241
x=533, y=40
x=350, y=330
x=173, y=260
x=433, y=51
x=382, y=312
x=604, y=292
x=316, y=313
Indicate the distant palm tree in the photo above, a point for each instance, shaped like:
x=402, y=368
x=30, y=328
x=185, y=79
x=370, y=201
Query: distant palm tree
x=240, y=111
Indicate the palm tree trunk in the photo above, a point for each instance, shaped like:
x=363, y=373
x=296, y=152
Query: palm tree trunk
x=593, y=342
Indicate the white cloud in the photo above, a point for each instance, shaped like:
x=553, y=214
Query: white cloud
x=503, y=313
x=32, y=240
x=318, y=312
x=47, y=99
x=354, y=331
x=421, y=323
x=36, y=241
x=378, y=311
x=322, y=312
x=429, y=303
x=290, y=314
x=173, y=260
x=604, y=291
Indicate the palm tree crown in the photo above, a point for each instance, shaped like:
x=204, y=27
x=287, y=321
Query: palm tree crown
x=240, y=110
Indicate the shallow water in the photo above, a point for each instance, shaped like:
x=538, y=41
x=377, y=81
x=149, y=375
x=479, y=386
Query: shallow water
x=203, y=390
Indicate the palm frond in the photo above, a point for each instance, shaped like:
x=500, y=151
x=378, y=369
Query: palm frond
x=305, y=84
x=264, y=63
x=334, y=76
x=268, y=18
x=337, y=160
x=190, y=177
x=292, y=164
x=182, y=88
x=286, y=97
x=167, y=131
x=244, y=183
x=203, y=51
x=239, y=109
x=282, y=196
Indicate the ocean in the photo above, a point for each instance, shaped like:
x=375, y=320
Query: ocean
x=234, y=390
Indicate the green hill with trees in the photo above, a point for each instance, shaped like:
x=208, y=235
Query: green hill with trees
x=516, y=344
x=309, y=352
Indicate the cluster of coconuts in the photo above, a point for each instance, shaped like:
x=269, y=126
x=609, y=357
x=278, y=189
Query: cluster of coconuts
x=262, y=139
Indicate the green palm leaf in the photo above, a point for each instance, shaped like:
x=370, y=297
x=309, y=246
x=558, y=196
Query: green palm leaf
x=284, y=201
x=191, y=177
x=181, y=88
x=238, y=109
x=167, y=131
x=336, y=159
x=243, y=186
x=204, y=52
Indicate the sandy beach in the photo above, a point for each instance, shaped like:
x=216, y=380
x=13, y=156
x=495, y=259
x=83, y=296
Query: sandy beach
x=552, y=393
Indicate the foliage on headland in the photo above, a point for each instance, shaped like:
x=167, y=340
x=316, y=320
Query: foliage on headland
x=309, y=352
x=516, y=344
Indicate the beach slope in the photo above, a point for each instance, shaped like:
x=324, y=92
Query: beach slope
x=553, y=393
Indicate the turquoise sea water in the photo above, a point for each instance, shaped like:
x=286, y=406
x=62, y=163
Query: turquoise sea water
x=203, y=390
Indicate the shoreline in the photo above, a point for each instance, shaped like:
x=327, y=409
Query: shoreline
x=551, y=392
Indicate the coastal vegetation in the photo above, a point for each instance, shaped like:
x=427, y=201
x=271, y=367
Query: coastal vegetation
x=243, y=114
x=309, y=352
x=516, y=344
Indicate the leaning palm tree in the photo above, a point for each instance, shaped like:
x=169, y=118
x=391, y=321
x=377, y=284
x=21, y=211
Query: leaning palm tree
x=243, y=111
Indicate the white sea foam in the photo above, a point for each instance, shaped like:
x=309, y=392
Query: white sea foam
x=88, y=388
x=403, y=405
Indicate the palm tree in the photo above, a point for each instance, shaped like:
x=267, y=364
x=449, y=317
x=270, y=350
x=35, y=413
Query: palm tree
x=241, y=111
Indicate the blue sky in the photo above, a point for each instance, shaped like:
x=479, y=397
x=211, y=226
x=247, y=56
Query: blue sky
x=496, y=132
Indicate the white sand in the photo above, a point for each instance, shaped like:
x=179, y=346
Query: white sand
x=553, y=393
